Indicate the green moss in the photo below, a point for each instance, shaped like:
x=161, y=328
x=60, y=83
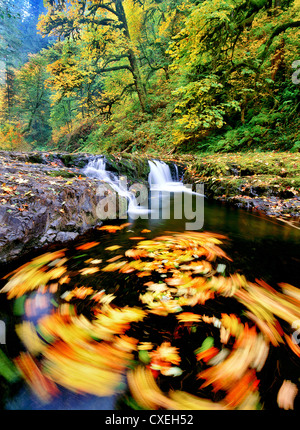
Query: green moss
x=251, y=174
x=67, y=159
x=35, y=158
x=283, y=164
x=134, y=167
x=62, y=173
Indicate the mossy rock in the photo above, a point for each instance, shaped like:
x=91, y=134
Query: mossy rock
x=67, y=159
x=74, y=160
x=135, y=168
x=62, y=173
x=36, y=158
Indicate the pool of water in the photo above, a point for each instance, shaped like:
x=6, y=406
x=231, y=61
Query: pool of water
x=260, y=248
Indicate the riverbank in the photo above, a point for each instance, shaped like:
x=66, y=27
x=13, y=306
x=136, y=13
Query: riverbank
x=267, y=183
x=42, y=201
x=45, y=198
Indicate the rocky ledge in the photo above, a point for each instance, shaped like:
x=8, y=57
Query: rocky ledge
x=266, y=183
x=45, y=198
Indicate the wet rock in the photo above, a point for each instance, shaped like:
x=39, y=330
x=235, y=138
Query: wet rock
x=66, y=236
x=286, y=194
x=37, y=209
x=46, y=199
x=246, y=172
x=130, y=166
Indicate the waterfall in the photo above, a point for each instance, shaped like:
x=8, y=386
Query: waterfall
x=176, y=173
x=161, y=185
x=160, y=174
x=160, y=177
x=96, y=168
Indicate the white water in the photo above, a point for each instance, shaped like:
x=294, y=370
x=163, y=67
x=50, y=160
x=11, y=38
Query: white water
x=167, y=193
x=160, y=178
x=160, y=174
x=96, y=168
x=176, y=172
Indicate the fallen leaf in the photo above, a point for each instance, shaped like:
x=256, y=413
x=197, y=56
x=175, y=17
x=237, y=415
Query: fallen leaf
x=88, y=245
x=113, y=248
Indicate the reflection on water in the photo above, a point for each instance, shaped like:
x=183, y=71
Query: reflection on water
x=220, y=218
x=247, y=224
x=259, y=248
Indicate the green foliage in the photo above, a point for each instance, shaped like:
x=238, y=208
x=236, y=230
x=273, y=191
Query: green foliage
x=224, y=63
x=32, y=100
x=296, y=147
x=186, y=76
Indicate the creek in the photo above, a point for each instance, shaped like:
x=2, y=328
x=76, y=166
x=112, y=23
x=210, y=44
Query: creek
x=259, y=248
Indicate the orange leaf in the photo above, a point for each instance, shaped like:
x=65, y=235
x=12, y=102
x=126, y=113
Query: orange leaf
x=117, y=257
x=188, y=317
x=113, y=248
x=242, y=388
x=294, y=347
x=208, y=354
x=143, y=274
x=88, y=245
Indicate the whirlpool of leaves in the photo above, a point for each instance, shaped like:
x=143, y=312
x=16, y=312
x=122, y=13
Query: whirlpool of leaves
x=163, y=316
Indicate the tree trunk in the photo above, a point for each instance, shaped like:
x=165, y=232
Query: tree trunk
x=140, y=89
x=277, y=61
x=138, y=82
x=9, y=78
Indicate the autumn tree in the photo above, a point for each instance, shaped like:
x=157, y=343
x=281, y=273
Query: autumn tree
x=9, y=56
x=223, y=59
x=32, y=98
x=141, y=74
x=69, y=20
x=18, y=37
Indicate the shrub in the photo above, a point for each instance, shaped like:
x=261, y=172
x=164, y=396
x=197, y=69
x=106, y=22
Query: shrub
x=11, y=138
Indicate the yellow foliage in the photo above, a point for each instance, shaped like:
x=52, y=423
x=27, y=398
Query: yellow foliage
x=135, y=17
x=11, y=139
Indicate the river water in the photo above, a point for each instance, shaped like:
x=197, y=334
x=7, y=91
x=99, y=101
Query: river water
x=260, y=248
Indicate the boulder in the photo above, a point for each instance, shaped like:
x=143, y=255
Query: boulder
x=37, y=208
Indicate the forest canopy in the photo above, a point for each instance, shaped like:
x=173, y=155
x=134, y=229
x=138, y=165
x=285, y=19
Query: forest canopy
x=150, y=75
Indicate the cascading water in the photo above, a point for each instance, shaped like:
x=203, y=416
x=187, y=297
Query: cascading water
x=161, y=184
x=160, y=174
x=169, y=197
x=160, y=177
x=96, y=168
x=176, y=173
